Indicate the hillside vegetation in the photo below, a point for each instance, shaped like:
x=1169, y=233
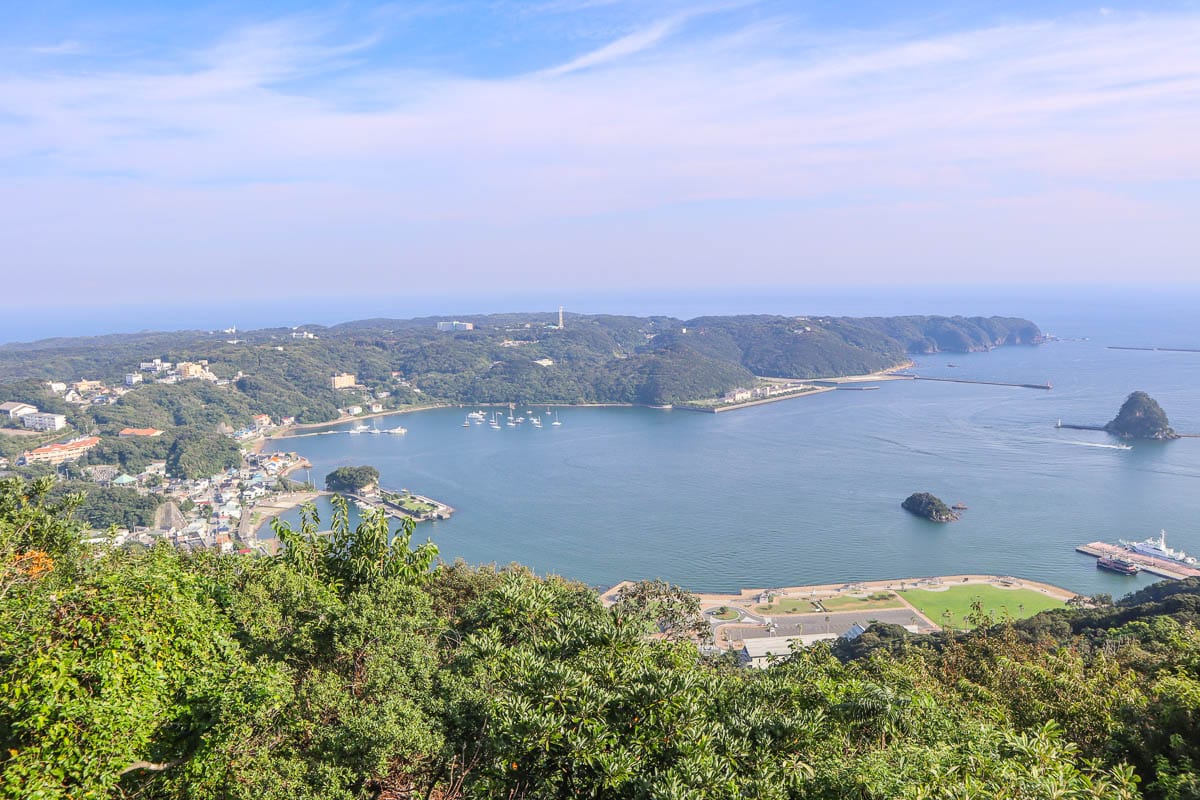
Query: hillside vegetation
x=598, y=358
x=349, y=668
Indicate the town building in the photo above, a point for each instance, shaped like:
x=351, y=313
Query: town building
x=16, y=410
x=157, y=365
x=58, y=387
x=354, y=410
x=762, y=652
x=42, y=421
x=87, y=387
x=261, y=421
x=59, y=453
x=345, y=380
x=132, y=379
x=188, y=370
x=456, y=326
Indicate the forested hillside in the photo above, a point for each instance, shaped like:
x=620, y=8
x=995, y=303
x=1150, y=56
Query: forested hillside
x=351, y=668
x=507, y=358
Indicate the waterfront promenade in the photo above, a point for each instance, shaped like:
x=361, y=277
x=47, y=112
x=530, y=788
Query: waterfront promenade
x=833, y=608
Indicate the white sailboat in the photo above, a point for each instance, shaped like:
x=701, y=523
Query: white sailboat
x=557, y=421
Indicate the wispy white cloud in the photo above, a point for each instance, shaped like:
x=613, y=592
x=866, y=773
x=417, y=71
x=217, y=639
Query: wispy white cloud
x=624, y=47
x=67, y=47
x=763, y=147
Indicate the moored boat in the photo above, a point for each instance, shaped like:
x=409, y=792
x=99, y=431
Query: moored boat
x=1121, y=566
x=1156, y=547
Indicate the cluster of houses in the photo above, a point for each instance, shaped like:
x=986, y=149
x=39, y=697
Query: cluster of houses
x=216, y=505
x=743, y=395
x=348, y=383
x=260, y=425
x=165, y=372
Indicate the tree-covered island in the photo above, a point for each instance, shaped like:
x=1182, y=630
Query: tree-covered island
x=1141, y=417
x=352, y=480
x=927, y=506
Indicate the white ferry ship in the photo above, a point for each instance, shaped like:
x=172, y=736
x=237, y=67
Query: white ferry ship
x=1156, y=547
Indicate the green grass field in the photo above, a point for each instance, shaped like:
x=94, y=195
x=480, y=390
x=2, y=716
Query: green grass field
x=787, y=605
x=1016, y=603
x=851, y=603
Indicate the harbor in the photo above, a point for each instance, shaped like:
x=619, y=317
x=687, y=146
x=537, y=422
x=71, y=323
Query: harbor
x=1155, y=566
x=403, y=505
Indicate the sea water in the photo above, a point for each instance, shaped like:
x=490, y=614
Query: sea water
x=808, y=490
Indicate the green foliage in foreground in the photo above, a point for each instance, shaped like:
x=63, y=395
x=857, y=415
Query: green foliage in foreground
x=351, y=667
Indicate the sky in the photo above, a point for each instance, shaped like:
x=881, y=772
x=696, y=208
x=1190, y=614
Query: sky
x=168, y=153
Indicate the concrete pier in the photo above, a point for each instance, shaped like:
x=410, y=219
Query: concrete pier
x=1155, y=566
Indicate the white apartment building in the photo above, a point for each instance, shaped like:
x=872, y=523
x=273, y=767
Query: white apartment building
x=42, y=421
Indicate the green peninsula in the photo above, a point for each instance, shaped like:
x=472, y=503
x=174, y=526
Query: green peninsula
x=311, y=372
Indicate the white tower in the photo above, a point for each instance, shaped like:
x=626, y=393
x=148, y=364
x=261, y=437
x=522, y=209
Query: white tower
x=560, y=318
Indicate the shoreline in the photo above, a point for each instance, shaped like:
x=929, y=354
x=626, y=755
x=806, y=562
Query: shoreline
x=280, y=504
x=882, y=375
x=826, y=590
x=818, y=386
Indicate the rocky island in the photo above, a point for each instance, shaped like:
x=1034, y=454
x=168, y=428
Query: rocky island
x=1141, y=417
x=926, y=506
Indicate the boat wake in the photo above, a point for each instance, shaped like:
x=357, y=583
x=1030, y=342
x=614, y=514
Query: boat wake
x=1099, y=444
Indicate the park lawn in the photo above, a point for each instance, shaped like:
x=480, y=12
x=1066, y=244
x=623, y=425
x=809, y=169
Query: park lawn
x=1016, y=603
x=787, y=605
x=726, y=615
x=851, y=603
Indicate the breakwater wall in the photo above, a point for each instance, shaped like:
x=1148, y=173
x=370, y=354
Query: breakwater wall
x=1156, y=349
x=1043, y=386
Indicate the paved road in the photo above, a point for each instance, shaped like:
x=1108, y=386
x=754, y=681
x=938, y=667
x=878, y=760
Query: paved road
x=838, y=622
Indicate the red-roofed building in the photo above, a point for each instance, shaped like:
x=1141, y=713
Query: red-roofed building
x=58, y=453
x=140, y=432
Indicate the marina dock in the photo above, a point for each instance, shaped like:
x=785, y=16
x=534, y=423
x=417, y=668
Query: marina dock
x=403, y=505
x=1155, y=566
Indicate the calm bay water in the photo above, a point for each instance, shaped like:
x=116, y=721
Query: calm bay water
x=808, y=490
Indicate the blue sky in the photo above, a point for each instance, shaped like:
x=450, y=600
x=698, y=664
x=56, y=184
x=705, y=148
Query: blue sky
x=198, y=151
